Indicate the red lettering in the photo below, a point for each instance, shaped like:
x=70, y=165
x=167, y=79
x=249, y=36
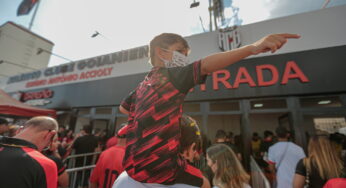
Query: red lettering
x=96, y=73
x=202, y=87
x=38, y=95
x=292, y=66
x=223, y=80
x=36, y=83
x=260, y=79
x=27, y=96
x=243, y=77
x=61, y=79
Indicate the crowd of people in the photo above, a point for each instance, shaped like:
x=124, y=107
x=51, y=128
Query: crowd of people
x=219, y=165
x=159, y=146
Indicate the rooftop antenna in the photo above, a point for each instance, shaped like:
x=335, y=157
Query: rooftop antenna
x=325, y=4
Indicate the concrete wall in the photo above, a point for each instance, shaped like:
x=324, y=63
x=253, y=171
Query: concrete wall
x=18, y=50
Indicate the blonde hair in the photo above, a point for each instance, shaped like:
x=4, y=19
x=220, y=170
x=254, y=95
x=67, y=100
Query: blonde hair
x=229, y=173
x=324, y=157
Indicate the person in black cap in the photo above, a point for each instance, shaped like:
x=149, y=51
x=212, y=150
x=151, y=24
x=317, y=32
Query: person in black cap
x=3, y=126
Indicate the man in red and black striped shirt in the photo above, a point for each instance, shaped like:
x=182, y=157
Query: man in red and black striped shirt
x=155, y=106
x=21, y=162
x=190, y=145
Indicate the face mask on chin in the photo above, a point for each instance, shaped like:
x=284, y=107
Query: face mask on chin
x=178, y=60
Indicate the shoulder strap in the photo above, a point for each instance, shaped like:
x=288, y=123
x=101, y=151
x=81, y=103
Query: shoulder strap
x=282, y=156
x=307, y=170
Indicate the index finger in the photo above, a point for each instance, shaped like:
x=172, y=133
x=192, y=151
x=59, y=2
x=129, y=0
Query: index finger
x=289, y=35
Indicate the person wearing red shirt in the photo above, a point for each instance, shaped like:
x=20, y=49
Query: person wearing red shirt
x=191, y=144
x=155, y=106
x=335, y=183
x=109, y=166
x=112, y=141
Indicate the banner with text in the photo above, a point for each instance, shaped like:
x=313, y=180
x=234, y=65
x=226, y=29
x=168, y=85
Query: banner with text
x=121, y=63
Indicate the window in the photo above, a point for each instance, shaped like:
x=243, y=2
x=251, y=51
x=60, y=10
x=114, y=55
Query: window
x=228, y=123
x=83, y=111
x=191, y=107
x=268, y=104
x=103, y=110
x=330, y=125
x=320, y=102
x=224, y=106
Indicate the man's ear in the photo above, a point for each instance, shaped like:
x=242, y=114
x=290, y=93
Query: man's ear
x=50, y=135
x=53, y=133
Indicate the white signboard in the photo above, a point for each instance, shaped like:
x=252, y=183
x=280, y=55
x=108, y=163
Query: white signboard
x=121, y=63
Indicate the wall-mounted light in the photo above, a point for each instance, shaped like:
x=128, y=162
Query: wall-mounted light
x=258, y=105
x=324, y=102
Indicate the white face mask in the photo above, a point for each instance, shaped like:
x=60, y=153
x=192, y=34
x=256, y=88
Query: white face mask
x=178, y=60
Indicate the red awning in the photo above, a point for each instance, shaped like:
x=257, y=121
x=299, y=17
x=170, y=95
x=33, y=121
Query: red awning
x=12, y=107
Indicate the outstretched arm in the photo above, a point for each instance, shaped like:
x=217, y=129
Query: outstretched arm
x=221, y=60
x=123, y=110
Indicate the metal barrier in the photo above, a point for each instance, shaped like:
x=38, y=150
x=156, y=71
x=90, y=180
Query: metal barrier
x=71, y=160
x=79, y=172
x=257, y=177
x=78, y=176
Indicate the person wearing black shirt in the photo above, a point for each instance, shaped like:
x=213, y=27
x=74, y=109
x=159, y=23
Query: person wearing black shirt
x=53, y=154
x=21, y=163
x=85, y=144
x=323, y=163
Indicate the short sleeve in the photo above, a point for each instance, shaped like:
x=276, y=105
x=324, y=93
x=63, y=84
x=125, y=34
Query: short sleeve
x=302, y=153
x=185, y=78
x=300, y=168
x=126, y=103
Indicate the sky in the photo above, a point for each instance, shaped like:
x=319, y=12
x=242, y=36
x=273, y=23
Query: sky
x=125, y=24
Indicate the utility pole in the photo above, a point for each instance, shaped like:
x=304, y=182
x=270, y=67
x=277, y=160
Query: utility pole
x=210, y=16
x=34, y=15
